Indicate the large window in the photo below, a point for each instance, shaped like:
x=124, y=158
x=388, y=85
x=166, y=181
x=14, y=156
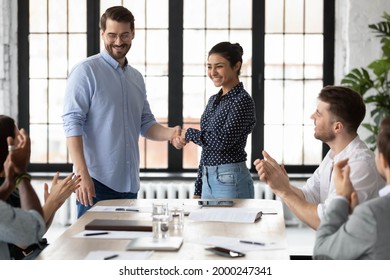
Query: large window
x=285, y=46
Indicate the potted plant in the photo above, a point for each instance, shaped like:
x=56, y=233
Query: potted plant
x=373, y=82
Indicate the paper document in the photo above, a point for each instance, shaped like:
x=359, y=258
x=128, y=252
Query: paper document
x=224, y=214
x=118, y=255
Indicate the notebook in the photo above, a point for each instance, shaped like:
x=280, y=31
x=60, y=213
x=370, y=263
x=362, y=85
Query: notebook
x=120, y=225
x=148, y=243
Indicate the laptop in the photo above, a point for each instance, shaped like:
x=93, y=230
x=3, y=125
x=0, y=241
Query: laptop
x=149, y=244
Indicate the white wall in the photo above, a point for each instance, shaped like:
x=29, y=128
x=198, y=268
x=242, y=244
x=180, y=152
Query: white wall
x=8, y=58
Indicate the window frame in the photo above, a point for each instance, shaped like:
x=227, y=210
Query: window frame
x=175, y=84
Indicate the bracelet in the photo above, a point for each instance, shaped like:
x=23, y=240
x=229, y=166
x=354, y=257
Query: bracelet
x=21, y=177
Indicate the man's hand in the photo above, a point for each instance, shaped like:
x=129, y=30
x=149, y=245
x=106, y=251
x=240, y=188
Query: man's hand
x=341, y=178
x=272, y=173
x=86, y=192
x=178, y=140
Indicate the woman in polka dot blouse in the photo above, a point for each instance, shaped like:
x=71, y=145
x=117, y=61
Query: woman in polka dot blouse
x=225, y=124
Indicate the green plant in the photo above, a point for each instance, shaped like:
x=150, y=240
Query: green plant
x=373, y=83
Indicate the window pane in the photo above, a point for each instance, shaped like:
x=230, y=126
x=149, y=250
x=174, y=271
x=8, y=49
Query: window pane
x=273, y=57
x=217, y=14
x=191, y=152
x=274, y=16
x=77, y=12
x=58, y=62
x=156, y=154
x=157, y=91
x=38, y=100
x=293, y=146
x=157, y=14
x=293, y=102
x=38, y=19
x=273, y=98
x=58, y=12
x=193, y=97
x=314, y=16
x=194, y=55
x=57, y=144
x=313, y=56
x=293, y=57
x=241, y=14
x=273, y=141
x=157, y=52
x=39, y=140
x=38, y=56
x=294, y=16
x=56, y=99
x=194, y=14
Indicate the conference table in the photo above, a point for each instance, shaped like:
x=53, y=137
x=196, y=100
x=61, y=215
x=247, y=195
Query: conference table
x=270, y=229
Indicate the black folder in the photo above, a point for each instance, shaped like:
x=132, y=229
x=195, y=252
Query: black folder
x=119, y=225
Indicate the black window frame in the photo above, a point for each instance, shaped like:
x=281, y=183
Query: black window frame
x=175, y=102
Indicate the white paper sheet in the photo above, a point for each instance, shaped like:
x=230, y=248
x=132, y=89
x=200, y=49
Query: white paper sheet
x=224, y=214
x=119, y=255
x=113, y=234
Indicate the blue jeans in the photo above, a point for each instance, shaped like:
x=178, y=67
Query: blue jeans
x=231, y=180
x=103, y=193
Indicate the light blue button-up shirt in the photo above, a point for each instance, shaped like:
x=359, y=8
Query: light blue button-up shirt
x=107, y=105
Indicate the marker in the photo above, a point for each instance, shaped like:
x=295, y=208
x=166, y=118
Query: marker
x=95, y=233
x=252, y=242
x=111, y=257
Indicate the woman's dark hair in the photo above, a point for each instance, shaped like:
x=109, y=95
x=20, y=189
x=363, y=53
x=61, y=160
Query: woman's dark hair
x=119, y=14
x=345, y=104
x=7, y=129
x=231, y=52
x=383, y=140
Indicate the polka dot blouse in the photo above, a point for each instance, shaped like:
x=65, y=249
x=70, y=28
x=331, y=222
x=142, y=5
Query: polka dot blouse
x=224, y=128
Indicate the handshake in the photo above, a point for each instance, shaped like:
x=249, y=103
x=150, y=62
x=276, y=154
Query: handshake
x=178, y=137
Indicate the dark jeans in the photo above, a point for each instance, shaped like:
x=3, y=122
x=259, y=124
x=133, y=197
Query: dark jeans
x=103, y=193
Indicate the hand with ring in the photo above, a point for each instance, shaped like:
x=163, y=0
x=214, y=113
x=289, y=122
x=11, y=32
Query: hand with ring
x=11, y=148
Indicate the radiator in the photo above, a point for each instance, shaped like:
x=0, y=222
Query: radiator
x=67, y=214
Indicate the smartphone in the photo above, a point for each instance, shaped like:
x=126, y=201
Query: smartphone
x=216, y=203
x=225, y=252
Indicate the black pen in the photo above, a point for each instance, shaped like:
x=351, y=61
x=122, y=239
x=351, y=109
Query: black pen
x=252, y=242
x=111, y=257
x=95, y=233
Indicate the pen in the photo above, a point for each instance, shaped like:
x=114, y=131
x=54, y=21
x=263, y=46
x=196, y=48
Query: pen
x=95, y=233
x=126, y=209
x=111, y=257
x=252, y=242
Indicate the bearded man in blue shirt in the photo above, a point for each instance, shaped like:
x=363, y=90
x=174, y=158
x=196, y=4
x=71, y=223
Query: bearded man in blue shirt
x=105, y=111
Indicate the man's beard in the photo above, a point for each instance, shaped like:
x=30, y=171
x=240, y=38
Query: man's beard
x=114, y=52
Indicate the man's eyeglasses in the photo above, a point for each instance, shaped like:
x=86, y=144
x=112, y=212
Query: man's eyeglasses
x=123, y=36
